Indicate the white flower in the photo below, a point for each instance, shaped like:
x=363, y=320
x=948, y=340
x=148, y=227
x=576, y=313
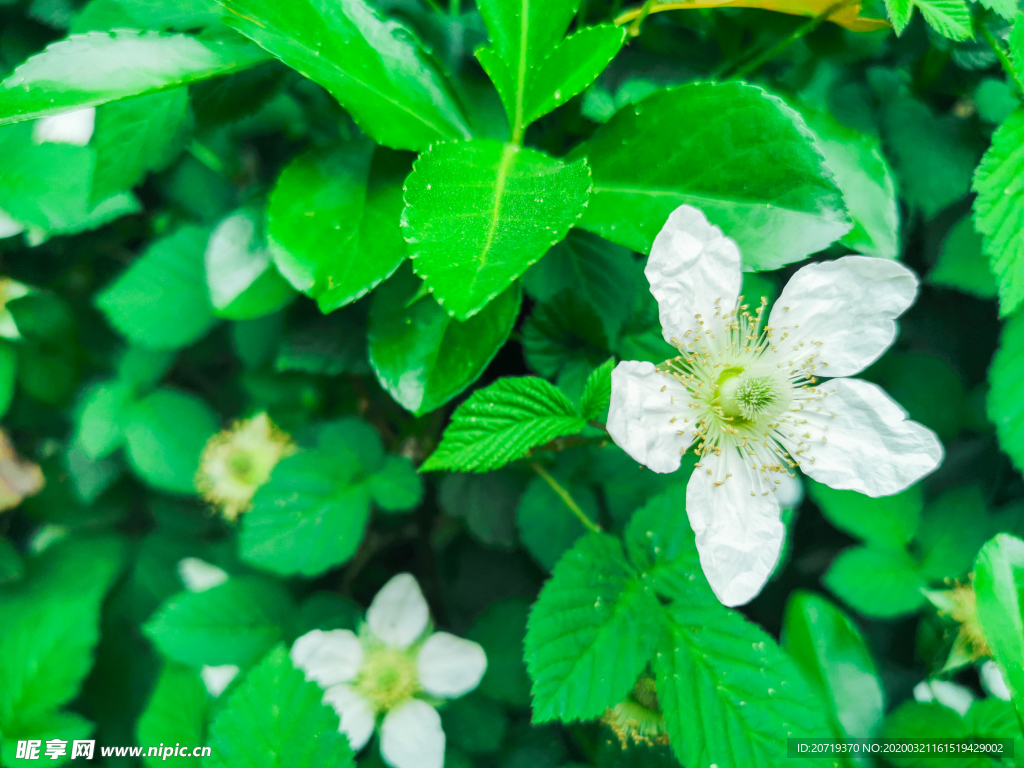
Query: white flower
x=68, y=128
x=394, y=668
x=744, y=392
x=993, y=682
x=950, y=695
x=198, y=575
x=217, y=678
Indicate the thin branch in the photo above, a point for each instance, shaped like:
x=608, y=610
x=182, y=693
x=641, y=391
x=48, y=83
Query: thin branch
x=564, y=496
x=634, y=28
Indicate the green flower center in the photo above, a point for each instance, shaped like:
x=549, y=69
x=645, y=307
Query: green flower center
x=747, y=398
x=242, y=466
x=387, y=678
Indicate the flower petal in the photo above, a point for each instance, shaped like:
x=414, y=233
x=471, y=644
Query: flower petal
x=993, y=682
x=357, y=716
x=692, y=269
x=198, y=575
x=738, y=527
x=411, y=736
x=841, y=312
x=68, y=128
x=951, y=695
x=647, y=415
x=398, y=614
x=328, y=658
x=216, y=679
x=861, y=440
x=450, y=666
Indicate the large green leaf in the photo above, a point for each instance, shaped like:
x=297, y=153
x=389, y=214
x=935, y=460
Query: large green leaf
x=165, y=433
x=999, y=209
x=334, y=221
x=160, y=301
x=762, y=181
x=420, y=354
x=832, y=655
x=236, y=622
x=176, y=713
x=950, y=18
x=373, y=67
x=97, y=67
x=1006, y=390
x=998, y=582
x=880, y=582
x=50, y=626
x=502, y=423
x=479, y=213
x=887, y=520
x=591, y=632
x=274, y=719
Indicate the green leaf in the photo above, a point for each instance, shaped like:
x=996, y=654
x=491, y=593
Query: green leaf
x=165, y=433
x=914, y=720
x=999, y=209
x=500, y=630
x=242, y=281
x=397, y=487
x=176, y=713
x=474, y=723
x=730, y=695
x=100, y=410
x=763, y=182
x=502, y=422
x=11, y=566
x=1005, y=403
x=486, y=502
x=597, y=394
x=160, y=301
x=116, y=65
x=275, y=718
x=374, y=68
x=51, y=625
x=564, y=333
x=333, y=221
x=312, y=514
x=953, y=528
x=236, y=622
x=963, y=264
x=136, y=136
x=147, y=14
x=478, y=213
x=878, y=582
x=547, y=526
x=866, y=181
x=832, y=655
x=420, y=354
x=950, y=18
x=998, y=581
x=8, y=371
x=65, y=726
x=597, y=271
x=590, y=632
x=888, y=520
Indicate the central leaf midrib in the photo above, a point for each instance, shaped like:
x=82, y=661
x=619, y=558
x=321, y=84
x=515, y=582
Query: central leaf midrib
x=500, y=181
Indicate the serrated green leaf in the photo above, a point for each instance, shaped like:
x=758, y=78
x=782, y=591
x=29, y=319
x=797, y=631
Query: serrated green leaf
x=333, y=221
x=763, y=182
x=175, y=713
x=887, y=520
x=51, y=625
x=478, y=213
x=242, y=281
x=165, y=433
x=136, y=136
x=160, y=301
x=832, y=656
x=597, y=393
x=275, y=718
x=963, y=264
x=998, y=581
x=876, y=581
x=547, y=527
x=999, y=209
x=502, y=422
x=950, y=18
x=374, y=67
x=1005, y=402
x=96, y=67
x=590, y=632
x=236, y=622
x=598, y=271
x=420, y=354
x=312, y=514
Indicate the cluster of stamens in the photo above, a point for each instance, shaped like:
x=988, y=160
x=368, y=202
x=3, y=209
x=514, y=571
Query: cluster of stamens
x=743, y=391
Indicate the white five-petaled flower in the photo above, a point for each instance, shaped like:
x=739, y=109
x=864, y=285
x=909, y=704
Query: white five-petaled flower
x=744, y=392
x=395, y=668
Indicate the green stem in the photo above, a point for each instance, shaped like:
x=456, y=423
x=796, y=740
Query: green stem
x=779, y=47
x=1001, y=54
x=564, y=496
x=634, y=28
x=207, y=157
